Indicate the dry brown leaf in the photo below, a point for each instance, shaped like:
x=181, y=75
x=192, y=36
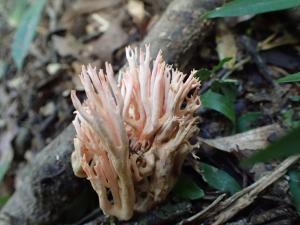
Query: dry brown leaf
x=88, y=6
x=111, y=40
x=226, y=45
x=136, y=10
x=81, y=7
x=250, y=140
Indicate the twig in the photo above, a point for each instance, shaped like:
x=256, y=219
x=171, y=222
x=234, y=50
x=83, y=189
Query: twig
x=195, y=217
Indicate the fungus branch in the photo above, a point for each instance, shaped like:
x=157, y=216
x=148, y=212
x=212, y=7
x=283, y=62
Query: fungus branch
x=132, y=137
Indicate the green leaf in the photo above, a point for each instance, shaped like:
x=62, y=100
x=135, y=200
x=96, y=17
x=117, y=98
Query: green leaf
x=250, y=7
x=286, y=146
x=289, y=78
x=289, y=117
x=26, y=31
x=17, y=13
x=3, y=200
x=220, y=103
x=203, y=74
x=187, y=189
x=227, y=87
x=294, y=183
x=220, y=64
x=245, y=121
x=294, y=98
x=219, y=179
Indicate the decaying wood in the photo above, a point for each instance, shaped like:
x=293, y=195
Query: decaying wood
x=181, y=29
x=50, y=189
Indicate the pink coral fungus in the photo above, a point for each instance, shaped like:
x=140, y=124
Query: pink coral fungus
x=133, y=135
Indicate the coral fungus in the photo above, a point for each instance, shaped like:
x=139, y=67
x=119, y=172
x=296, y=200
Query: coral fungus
x=133, y=135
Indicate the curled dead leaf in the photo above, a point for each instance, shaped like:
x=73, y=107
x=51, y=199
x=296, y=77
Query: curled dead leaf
x=250, y=140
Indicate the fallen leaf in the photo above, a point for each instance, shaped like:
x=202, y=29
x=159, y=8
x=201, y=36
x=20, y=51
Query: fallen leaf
x=226, y=45
x=288, y=145
x=136, y=10
x=112, y=39
x=66, y=46
x=88, y=6
x=250, y=140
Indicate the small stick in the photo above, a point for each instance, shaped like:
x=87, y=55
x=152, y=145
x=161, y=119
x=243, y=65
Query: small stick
x=200, y=214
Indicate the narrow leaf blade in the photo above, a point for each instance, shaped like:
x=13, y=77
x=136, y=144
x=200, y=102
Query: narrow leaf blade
x=250, y=7
x=221, y=64
x=26, y=31
x=294, y=183
x=289, y=78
